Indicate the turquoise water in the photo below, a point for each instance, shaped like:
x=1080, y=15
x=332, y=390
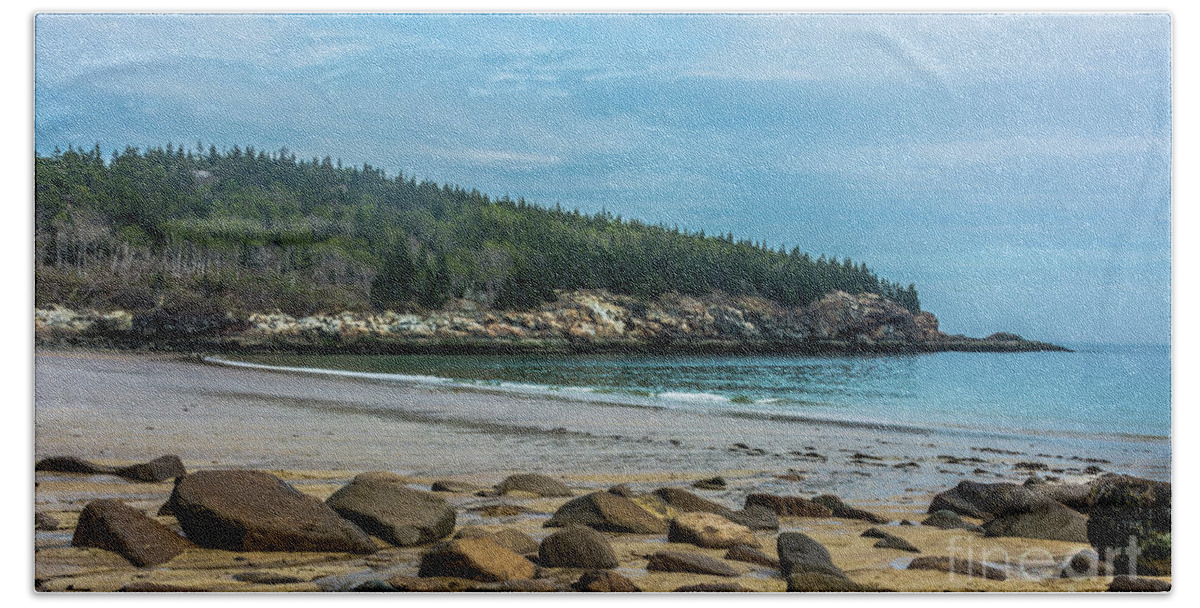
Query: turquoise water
x=1102, y=391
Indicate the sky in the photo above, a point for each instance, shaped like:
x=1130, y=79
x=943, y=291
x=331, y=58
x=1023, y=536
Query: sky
x=1017, y=168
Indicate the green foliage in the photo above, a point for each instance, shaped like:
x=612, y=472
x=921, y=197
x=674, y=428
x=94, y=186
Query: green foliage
x=270, y=227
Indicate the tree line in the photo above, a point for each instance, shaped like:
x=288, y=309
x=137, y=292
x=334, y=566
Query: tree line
x=245, y=229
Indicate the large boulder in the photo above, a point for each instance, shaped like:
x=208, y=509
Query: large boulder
x=1046, y=519
x=845, y=511
x=477, y=559
x=798, y=553
x=1128, y=516
x=607, y=512
x=675, y=561
x=788, y=506
x=114, y=526
x=984, y=500
x=255, y=511
x=577, y=547
x=533, y=484
x=384, y=507
x=709, y=530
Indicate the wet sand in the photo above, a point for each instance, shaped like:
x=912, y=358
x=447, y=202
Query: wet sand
x=318, y=432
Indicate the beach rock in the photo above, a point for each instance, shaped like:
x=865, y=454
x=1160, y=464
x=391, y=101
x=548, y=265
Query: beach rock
x=516, y=540
x=711, y=588
x=44, y=522
x=72, y=464
x=157, y=470
x=1137, y=584
x=874, y=533
x=755, y=517
x=957, y=565
x=1046, y=519
x=686, y=502
x=609, y=513
x=800, y=554
x=1085, y=563
x=789, y=506
x=114, y=526
x=604, y=581
x=983, y=500
x=453, y=487
x=266, y=578
x=674, y=561
x=709, y=530
x=534, y=484
x=577, y=547
x=948, y=520
x=1073, y=495
x=845, y=511
x=891, y=541
x=477, y=559
x=1127, y=511
x=750, y=555
x=714, y=483
x=255, y=511
x=384, y=507
x=816, y=582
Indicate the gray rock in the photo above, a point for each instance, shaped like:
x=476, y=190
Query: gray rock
x=159, y=469
x=788, y=506
x=755, y=517
x=714, y=483
x=816, y=582
x=983, y=500
x=453, y=487
x=891, y=541
x=387, y=509
x=1124, y=507
x=800, y=554
x=1083, y=564
x=957, y=565
x=687, y=502
x=44, y=522
x=604, y=581
x=948, y=520
x=1047, y=520
x=577, y=547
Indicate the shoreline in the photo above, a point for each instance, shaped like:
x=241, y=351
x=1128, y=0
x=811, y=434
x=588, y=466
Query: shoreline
x=317, y=433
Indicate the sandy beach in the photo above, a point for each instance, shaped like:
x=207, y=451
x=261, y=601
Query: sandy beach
x=318, y=432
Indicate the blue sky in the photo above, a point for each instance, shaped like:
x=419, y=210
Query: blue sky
x=1015, y=167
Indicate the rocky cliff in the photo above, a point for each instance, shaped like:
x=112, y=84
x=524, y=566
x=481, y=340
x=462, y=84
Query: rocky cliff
x=579, y=320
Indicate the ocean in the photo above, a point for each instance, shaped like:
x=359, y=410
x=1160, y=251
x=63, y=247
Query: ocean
x=1098, y=392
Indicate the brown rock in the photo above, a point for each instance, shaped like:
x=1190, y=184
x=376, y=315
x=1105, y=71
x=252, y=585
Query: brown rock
x=148, y=587
x=382, y=506
x=255, y=511
x=607, y=512
x=534, y=484
x=957, y=566
x=72, y=464
x=159, y=469
x=604, y=581
x=44, y=522
x=687, y=502
x=845, y=511
x=112, y=525
x=516, y=540
x=519, y=585
x=673, y=561
x=789, y=506
x=434, y=584
x=816, y=582
x=750, y=555
x=709, y=530
x=454, y=487
x=577, y=547
x=477, y=559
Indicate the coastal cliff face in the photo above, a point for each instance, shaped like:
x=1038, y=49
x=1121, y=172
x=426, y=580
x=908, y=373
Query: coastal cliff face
x=578, y=318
